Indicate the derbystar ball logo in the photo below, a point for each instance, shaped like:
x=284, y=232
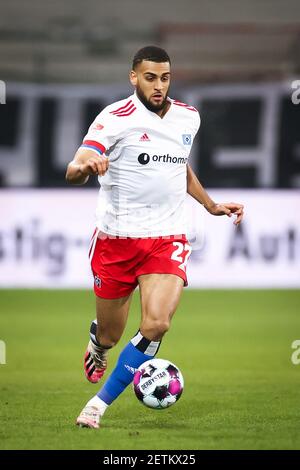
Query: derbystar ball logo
x=144, y=159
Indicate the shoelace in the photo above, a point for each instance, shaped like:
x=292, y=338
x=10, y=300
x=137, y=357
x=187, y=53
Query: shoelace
x=89, y=412
x=99, y=357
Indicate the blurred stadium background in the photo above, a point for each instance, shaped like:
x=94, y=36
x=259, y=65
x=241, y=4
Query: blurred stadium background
x=238, y=62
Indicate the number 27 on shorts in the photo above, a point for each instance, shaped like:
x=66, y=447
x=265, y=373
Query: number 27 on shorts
x=181, y=254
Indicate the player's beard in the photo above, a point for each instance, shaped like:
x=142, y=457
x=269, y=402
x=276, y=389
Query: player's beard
x=152, y=107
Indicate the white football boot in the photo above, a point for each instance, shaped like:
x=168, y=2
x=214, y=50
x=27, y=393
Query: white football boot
x=89, y=417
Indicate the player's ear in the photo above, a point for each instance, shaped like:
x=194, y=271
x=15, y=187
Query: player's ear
x=133, y=78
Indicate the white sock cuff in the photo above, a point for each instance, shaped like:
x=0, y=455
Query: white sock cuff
x=145, y=345
x=98, y=403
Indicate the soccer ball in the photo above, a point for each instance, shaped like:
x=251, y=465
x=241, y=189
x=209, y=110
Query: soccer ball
x=158, y=383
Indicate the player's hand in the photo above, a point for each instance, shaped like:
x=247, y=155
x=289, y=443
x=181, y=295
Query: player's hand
x=95, y=166
x=228, y=208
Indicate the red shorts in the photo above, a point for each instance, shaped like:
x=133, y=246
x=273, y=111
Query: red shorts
x=117, y=262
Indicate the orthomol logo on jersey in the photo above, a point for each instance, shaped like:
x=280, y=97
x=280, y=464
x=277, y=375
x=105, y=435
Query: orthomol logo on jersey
x=144, y=159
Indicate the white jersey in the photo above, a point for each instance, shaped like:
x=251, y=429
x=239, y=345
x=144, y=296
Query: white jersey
x=143, y=193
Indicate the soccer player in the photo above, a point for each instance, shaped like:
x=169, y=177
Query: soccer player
x=139, y=149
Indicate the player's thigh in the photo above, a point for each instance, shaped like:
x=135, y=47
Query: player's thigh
x=112, y=316
x=160, y=295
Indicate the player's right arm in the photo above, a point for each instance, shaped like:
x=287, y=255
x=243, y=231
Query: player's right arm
x=84, y=164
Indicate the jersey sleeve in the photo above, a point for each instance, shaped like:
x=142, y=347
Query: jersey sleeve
x=103, y=133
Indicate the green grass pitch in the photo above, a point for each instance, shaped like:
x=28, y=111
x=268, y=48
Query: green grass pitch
x=233, y=347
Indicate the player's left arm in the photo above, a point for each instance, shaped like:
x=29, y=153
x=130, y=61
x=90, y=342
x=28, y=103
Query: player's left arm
x=196, y=190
